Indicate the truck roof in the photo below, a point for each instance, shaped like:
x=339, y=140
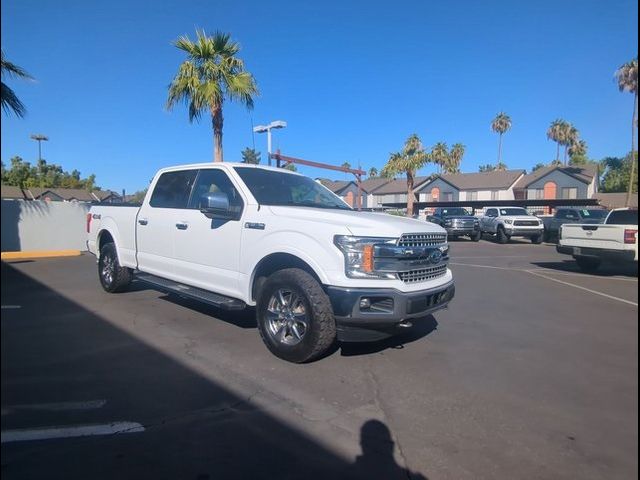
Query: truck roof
x=224, y=165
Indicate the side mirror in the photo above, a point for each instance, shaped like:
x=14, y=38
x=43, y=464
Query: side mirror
x=216, y=205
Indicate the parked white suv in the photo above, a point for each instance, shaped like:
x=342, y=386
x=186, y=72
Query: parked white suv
x=507, y=222
x=235, y=235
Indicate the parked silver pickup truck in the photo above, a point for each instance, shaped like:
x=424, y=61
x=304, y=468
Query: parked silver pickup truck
x=571, y=215
x=507, y=222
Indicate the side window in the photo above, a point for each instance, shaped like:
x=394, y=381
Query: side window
x=562, y=213
x=172, y=189
x=214, y=180
x=492, y=212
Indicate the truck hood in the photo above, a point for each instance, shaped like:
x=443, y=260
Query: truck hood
x=366, y=224
x=521, y=217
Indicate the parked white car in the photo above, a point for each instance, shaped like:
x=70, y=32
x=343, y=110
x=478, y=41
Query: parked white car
x=507, y=222
x=616, y=240
x=235, y=235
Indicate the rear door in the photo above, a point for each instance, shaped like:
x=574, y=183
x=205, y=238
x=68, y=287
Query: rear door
x=157, y=221
x=207, y=251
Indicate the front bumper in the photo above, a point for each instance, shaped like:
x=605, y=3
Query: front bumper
x=515, y=231
x=357, y=324
x=462, y=230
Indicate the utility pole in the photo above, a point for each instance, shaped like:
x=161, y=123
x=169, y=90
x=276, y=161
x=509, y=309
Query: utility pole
x=38, y=137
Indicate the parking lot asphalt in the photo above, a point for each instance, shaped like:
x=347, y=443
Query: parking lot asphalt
x=531, y=373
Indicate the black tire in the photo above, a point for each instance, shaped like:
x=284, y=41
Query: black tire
x=536, y=239
x=502, y=236
x=476, y=236
x=546, y=236
x=281, y=333
x=587, y=264
x=113, y=277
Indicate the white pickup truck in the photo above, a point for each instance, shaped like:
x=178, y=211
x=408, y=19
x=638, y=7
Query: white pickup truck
x=615, y=240
x=235, y=235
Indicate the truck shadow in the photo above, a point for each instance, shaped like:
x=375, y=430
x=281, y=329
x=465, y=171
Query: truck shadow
x=606, y=269
x=420, y=329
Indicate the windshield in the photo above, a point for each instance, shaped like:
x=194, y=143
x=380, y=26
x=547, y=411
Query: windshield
x=513, y=211
x=278, y=188
x=595, y=214
x=451, y=212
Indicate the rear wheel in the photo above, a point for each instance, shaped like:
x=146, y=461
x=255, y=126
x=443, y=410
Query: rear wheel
x=502, y=236
x=587, y=264
x=294, y=316
x=113, y=277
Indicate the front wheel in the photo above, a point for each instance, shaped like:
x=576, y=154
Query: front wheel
x=294, y=316
x=536, y=239
x=476, y=236
x=113, y=277
x=502, y=236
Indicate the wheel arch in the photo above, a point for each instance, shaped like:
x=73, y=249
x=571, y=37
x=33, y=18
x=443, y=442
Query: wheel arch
x=275, y=262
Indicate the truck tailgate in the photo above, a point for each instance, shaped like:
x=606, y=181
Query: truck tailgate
x=593, y=236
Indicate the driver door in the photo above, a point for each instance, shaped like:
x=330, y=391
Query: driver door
x=207, y=251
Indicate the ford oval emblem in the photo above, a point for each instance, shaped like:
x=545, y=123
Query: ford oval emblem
x=435, y=256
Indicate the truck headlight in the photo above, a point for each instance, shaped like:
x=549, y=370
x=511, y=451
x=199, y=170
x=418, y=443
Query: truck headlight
x=358, y=256
x=508, y=221
x=448, y=223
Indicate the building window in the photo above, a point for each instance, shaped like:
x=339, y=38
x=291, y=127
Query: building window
x=435, y=194
x=447, y=197
x=428, y=197
x=550, y=190
x=472, y=196
x=536, y=194
x=495, y=195
x=570, y=192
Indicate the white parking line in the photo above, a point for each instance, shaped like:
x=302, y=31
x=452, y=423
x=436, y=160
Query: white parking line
x=56, y=407
x=532, y=272
x=576, y=274
x=47, y=433
x=10, y=307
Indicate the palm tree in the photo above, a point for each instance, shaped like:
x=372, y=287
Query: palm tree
x=373, y=172
x=411, y=159
x=627, y=76
x=557, y=132
x=571, y=136
x=501, y=166
x=10, y=101
x=455, y=158
x=440, y=155
x=577, y=151
x=210, y=75
x=501, y=124
x=345, y=165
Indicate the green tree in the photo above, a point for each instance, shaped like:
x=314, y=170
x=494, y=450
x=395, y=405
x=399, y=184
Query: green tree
x=409, y=160
x=557, y=132
x=617, y=174
x=455, y=158
x=45, y=175
x=486, y=168
x=538, y=166
x=440, y=155
x=211, y=74
x=373, y=172
x=291, y=166
x=627, y=77
x=10, y=101
x=502, y=166
x=578, y=153
x=571, y=137
x=501, y=125
x=250, y=155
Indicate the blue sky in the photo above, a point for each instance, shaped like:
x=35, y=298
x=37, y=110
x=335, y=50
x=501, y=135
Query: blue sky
x=352, y=78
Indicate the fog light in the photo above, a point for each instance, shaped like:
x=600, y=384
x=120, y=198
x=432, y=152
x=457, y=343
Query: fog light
x=365, y=303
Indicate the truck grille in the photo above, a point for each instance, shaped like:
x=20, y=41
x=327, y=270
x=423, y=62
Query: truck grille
x=422, y=239
x=463, y=223
x=423, y=274
x=526, y=223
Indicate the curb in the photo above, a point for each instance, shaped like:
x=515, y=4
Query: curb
x=39, y=254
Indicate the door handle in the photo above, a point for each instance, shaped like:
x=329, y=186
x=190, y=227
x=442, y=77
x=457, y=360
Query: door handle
x=143, y=221
x=182, y=226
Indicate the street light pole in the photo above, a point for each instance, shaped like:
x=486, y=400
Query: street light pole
x=38, y=137
x=267, y=129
